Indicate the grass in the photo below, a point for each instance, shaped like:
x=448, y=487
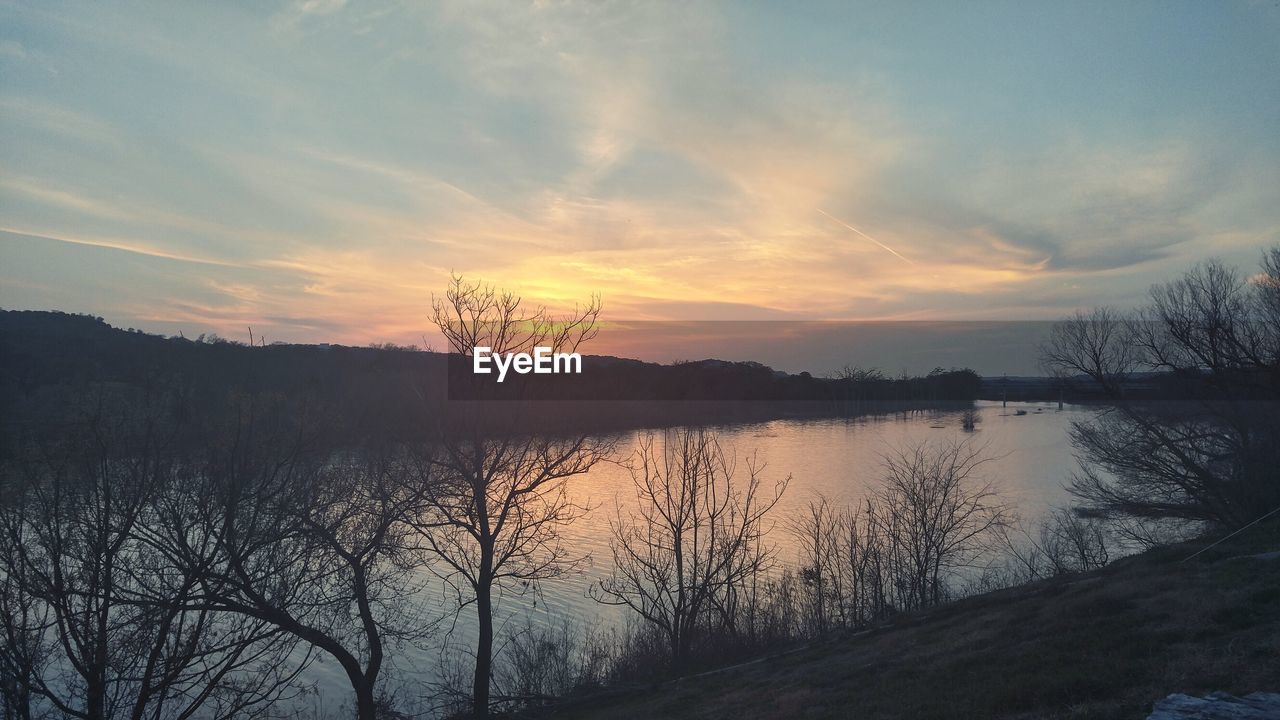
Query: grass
x=1102, y=645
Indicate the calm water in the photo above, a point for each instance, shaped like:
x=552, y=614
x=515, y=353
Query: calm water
x=837, y=458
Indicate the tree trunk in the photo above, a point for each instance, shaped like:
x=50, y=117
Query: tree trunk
x=484, y=650
x=366, y=707
x=95, y=692
x=95, y=701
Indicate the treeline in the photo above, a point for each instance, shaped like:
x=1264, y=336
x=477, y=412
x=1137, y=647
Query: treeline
x=49, y=359
x=54, y=362
x=851, y=390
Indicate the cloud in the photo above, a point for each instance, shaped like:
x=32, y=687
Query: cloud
x=12, y=49
x=346, y=159
x=38, y=115
x=118, y=244
x=299, y=11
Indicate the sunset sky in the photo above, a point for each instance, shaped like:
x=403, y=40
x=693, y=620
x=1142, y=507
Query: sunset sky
x=317, y=169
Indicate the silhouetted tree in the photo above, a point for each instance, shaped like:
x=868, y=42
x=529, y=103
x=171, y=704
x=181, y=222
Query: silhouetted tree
x=474, y=315
x=695, y=540
x=817, y=534
x=1209, y=453
x=1061, y=542
x=494, y=519
x=498, y=503
x=936, y=515
x=901, y=547
x=96, y=622
x=314, y=543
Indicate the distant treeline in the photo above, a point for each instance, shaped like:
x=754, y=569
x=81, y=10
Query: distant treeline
x=1181, y=385
x=619, y=379
x=49, y=359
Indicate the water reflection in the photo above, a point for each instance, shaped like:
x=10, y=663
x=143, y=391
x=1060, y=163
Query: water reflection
x=839, y=458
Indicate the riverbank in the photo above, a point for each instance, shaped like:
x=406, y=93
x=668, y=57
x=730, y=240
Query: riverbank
x=1105, y=644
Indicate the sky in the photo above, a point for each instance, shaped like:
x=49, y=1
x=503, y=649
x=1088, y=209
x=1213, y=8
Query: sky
x=317, y=169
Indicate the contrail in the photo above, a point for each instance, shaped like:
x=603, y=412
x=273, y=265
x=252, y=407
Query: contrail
x=886, y=247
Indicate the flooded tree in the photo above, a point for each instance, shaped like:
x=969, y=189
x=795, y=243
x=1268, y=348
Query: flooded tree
x=816, y=531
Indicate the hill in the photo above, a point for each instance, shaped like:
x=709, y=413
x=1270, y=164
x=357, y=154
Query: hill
x=48, y=359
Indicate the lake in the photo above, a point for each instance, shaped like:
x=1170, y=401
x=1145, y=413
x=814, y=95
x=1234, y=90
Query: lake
x=839, y=458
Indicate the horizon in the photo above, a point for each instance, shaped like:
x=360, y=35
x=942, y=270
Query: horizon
x=821, y=348
x=717, y=162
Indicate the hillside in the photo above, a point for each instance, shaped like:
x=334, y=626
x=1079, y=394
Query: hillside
x=52, y=360
x=1101, y=645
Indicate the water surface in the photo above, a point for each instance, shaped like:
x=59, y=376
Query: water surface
x=838, y=458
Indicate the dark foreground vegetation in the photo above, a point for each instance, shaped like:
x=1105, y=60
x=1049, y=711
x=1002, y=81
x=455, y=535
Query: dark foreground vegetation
x=182, y=533
x=1103, y=644
x=186, y=526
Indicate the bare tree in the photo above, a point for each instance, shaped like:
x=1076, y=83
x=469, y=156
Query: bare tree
x=1267, y=286
x=24, y=619
x=1063, y=541
x=844, y=563
x=861, y=562
x=818, y=533
x=499, y=501
x=314, y=544
x=472, y=315
x=494, y=520
x=1074, y=543
x=96, y=624
x=1207, y=455
x=900, y=548
x=935, y=513
x=694, y=541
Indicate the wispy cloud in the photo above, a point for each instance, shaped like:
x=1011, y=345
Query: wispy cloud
x=679, y=159
x=37, y=115
x=119, y=244
x=12, y=49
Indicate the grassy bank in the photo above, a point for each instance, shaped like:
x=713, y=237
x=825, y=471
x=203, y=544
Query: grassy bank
x=1102, y=645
